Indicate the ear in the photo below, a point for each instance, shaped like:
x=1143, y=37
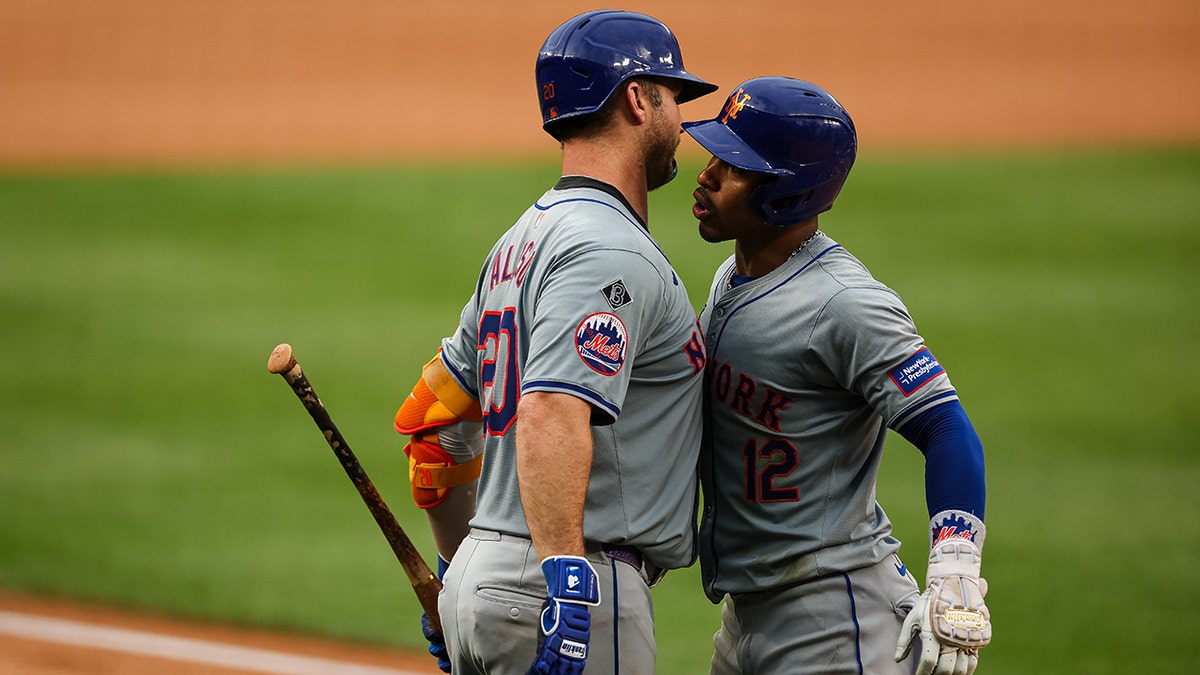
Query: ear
x=636, y=102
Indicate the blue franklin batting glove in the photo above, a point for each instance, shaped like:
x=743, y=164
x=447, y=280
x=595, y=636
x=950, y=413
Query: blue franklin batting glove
x=566, y=624
x=437, y=641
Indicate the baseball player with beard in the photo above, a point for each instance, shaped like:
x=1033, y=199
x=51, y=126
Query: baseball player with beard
x=579, y=357
x=810, y=362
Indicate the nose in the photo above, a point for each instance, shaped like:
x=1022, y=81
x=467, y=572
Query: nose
x=708, y=173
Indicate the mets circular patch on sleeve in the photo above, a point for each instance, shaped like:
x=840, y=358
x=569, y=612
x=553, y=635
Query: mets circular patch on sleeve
x=601, y=340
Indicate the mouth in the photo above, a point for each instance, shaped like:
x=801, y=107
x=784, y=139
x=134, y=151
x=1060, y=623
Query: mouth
x=701, y=209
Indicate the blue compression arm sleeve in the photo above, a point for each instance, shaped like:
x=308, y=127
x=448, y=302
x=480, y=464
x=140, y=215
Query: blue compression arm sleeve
x=954, y=469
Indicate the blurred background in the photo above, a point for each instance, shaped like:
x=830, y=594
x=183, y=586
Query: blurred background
x=103, y=81
x=185, y=184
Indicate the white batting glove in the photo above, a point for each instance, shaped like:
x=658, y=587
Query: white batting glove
x=950, y=616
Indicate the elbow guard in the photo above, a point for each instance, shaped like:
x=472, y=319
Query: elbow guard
x=432, y=471
x=436, y=401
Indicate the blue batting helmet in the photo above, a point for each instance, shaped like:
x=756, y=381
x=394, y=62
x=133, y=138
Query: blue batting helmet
x=585, y=59
x=790, y=129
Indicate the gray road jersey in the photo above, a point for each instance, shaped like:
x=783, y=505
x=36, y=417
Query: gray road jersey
x=807, y=367
x=578, y=298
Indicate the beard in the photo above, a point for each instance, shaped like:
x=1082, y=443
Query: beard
x=712, y=235
x=660, y=154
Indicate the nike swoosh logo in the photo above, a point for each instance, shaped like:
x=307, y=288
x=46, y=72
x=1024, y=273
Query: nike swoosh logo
x=901, y=568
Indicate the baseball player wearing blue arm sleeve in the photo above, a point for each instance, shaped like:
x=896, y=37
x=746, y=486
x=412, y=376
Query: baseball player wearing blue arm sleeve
x=954, y=467
x=582, y=348
x=810, y=361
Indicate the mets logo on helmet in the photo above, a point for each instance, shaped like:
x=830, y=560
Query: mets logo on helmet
x=601, y=340
x=736, y=102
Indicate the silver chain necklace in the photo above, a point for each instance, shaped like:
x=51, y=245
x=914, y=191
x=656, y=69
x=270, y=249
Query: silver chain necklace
x=729, y=281
x=804, y=243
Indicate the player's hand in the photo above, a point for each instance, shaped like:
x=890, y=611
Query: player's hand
x=566, y=624
x=950, y=617
x=437, y=641
x=437, y=644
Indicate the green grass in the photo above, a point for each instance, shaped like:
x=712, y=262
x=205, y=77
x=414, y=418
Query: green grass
x=150, y=461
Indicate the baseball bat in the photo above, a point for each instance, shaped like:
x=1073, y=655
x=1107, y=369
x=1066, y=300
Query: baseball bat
x=424, y=582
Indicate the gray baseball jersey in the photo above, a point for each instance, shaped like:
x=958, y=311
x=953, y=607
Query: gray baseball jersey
x=578, y=298
x=808, y=366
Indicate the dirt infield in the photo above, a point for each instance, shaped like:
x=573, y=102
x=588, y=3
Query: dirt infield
x=137, y=644
x=104, y=81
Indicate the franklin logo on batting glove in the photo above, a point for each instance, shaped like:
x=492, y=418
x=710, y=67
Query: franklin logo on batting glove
x=571, y=586
x=950, y=618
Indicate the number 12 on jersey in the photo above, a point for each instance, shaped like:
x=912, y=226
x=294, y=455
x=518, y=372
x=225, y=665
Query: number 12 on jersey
x=766, y=463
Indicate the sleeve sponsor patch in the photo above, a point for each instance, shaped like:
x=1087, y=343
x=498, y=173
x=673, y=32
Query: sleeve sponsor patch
x=919, y=370
x=601, y=340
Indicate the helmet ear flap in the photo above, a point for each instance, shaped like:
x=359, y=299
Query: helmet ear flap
x=780, y=208
x=794, y=199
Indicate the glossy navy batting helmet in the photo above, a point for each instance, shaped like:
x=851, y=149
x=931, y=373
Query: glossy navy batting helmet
x=585, y=59
x=790, y=129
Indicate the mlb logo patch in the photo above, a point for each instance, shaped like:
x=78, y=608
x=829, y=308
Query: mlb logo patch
x=601, y=340
x=919, y=370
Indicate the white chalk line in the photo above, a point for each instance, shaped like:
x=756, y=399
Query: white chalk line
x=76, y=633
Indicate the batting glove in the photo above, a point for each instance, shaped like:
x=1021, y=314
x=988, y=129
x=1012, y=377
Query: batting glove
x=437, y=641
x=950, y=616
x=566, y=624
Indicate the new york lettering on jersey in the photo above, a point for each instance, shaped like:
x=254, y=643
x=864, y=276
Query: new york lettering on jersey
x=746, y=397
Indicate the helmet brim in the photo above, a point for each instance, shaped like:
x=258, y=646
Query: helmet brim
x=724, y=144
x=693, y=87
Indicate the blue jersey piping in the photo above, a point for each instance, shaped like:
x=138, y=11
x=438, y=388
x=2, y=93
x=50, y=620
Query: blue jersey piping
x=767, y=292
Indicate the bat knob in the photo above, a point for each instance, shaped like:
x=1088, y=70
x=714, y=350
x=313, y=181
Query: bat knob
x=281, y=359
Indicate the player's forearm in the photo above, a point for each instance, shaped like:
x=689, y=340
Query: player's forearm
x=954, y=464
x=554, y=459
x=449, y=521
